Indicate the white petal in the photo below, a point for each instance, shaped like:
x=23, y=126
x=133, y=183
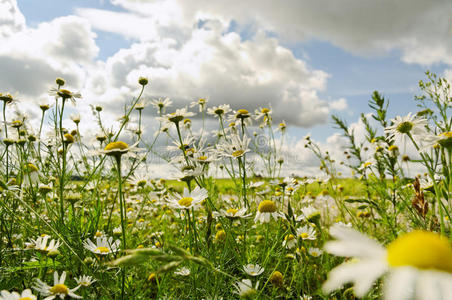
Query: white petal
x=351, y=243
x=400, y=284
x=363, y=274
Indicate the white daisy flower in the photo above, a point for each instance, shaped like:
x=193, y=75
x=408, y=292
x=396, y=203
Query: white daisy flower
x=306, y=232
x=245, y=288
x=289, y=241
x=253, y=269
x=26, y=294
x=315, y=252
x=402, y=126
x=232, y=213
x=182, y=271
x=85, y=280
x=40, y=244
x=188, y=199
x=162, y=103
x=234, y=147
x=219, y=111
x=59, y=289
x=419, y=264
x=265, y=211
x=104, y=245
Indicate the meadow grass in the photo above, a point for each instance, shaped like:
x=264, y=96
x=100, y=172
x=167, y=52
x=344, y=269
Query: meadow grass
x=87, y=220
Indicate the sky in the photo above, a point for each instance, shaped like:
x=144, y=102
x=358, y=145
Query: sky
x=306, y=59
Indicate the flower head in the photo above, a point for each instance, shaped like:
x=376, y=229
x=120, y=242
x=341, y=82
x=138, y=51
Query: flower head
x=188, y=199
x=103, y=246
x=419, y=264
x=25, y=295
x=59, y=289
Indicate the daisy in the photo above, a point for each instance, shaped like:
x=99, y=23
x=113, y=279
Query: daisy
x=177, y=116
x=403, y=126
x=232, y=213
x=306, y=232
x=419, y=264
x=119, y=148
x=219, y=111
x=245, y=288
x=315, y=252
x=443, y=139
x=64, y=94
x=289, y=241
x=201, y=103
x=59, y=289
x=265, y=211
x=182, y=271
x=26, y=294
x=188, y=199
x=104, y=245
x=236, y=147
x=253, y=269
x=162, y=103
x=40, y=244
x=85, y=280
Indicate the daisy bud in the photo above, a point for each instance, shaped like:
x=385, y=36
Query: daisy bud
x=143, y=81
x=60, y=81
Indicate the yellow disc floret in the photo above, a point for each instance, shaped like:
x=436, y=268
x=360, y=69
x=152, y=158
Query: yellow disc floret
x=267, y=206
x=185, y=201
x=232, y=211
x=102, y=250
x=59, y=289
x=422, y=250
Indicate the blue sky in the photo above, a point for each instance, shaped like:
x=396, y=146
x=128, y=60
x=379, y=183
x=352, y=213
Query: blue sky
x=341, y=63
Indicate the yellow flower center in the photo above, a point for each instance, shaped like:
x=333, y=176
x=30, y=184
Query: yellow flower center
x=219, y=111
x=98, y=234
x=68, y=138
x=59, y=289
x=203, y=157
x=102, y=249
x=185, y=201
x=116, y=146
x=405, y=127
x=32, y=168
x=238, y=153
x=289, y=237
x=242, y=113
x=64, y=93
x=267, y=206
x=25, y=298
x=265, y=110
x=421, y=249
x=446, y=139
x=232, y=211
x=304, y=235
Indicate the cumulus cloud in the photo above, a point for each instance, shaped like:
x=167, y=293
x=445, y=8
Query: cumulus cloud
x=11, y=19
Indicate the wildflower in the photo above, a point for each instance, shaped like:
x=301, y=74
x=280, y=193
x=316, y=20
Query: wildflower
x=26, y=294
x=85, y=280
x=143, y=81
x=315, y=252
x=60, y=81
x=253, y=269
x=188, y=199
x=40, y=244
x=277, y=279
x=306, y=232
x=220, y=236
x=309, y=213
x=177, y=116
x=404, y=126
x=162, y=103
x=289, y=241
x=75, y=118
x=443, y=139
x=236, y=147
x=59, y=289
x=201, y=103
x=104, y=245
x=219, y=111
x=232, y=213
x=64, y=94
x=119, y=148
x=419, y=264
x=182, y=271
x=31, y=174
x=245, y=288
x=265, y=211
x=242, y=114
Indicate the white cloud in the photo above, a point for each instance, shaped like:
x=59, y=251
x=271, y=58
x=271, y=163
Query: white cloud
x=339, y=104
x=11, y=19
